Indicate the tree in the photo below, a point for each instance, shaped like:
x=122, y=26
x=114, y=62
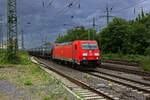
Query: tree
x=112, y=38
x=128, y=37
x=77, y=34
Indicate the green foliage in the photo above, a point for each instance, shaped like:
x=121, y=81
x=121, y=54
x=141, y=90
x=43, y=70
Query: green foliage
x=145, y=63
x=12, y=57
x=28, y=82
x=34, y=81
x=143, y=60
x=120, y=36
x=22, y=58
x=119, y=56
x=127, y=37
x=12, y=50
x=147, y=51
x=77, y=34
x=113, y=37
x=121, y=39
x=47, y=98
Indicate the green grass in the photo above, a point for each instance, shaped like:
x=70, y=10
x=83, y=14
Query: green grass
x=46, y=98
x=31, y=79
x=28, y=71
x=32, y=74
x=28, y=82
x=143, y=60
x=22, y=59
x=145, y=63
x=112, y=56
x=34, y=80
x=29, y=76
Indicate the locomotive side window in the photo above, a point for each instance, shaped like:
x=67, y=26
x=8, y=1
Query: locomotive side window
x=89, y=46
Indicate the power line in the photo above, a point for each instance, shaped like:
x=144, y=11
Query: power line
x=120, y=10
x=108, y=16
x=69, y=5
x=50, y=3
x=65, y=12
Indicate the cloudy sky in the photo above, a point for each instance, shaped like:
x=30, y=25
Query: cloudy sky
x=40, y=19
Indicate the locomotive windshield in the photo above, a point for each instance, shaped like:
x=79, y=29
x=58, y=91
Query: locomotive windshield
x=89, y=46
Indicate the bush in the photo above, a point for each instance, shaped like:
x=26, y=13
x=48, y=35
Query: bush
x=22, y=58
x=145, y=63
x=147, y=51
x=143, y=60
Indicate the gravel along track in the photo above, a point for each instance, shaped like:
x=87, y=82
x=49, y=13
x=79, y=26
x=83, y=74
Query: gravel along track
x=132, y=86
x=105, y=86
x=78, y=92
x=125, y=68
x=126, y=82
x=63, y=72
x=129, y=63
x=126, y=76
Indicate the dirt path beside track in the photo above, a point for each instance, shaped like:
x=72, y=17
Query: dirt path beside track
x=29, y=83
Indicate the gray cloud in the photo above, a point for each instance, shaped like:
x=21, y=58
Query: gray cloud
x=38, y=21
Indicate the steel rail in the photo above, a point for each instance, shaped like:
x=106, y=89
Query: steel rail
x=126, y=70
x=120, y=82
x=76, y=81
x=124, y=78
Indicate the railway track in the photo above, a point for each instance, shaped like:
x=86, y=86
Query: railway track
x=124, y=68
x=128, y=63
x=102, y=71
x=140, y=86
x=136, y=87
x=101, y=95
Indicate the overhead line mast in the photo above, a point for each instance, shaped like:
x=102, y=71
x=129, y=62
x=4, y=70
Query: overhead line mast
x=1, y=33
x=12, y=38
x=108, y=14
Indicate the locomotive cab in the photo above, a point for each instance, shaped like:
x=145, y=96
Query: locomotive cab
x=88, y=53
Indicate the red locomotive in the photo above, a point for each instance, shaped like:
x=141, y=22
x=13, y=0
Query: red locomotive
x=80, y=52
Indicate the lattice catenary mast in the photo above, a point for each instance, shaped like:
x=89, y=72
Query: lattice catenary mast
x=12, y=40
x=1, y=33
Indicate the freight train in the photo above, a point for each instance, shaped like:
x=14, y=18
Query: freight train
x=77, y=53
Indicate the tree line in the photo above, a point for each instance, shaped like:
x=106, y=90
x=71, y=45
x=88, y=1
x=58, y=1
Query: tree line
x=120, y=35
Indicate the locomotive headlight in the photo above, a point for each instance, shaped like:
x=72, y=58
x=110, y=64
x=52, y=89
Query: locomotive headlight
x=84, y=58
x=84, y=54
x=96, y=54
